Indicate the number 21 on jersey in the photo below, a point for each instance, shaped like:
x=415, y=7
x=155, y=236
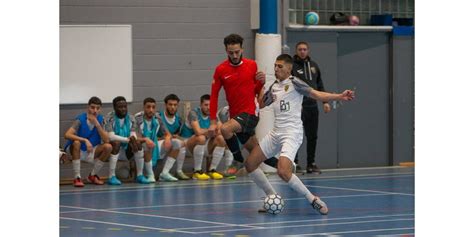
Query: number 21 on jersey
x=284, y=106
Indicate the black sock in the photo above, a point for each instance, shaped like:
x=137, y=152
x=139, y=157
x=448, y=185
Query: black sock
x=234, y=147
x=273, y=162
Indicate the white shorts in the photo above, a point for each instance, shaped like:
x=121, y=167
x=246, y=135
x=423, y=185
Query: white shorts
x=286, y=144
x=84, y=156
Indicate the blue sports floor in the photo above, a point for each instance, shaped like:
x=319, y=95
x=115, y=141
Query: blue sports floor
x=362, y=202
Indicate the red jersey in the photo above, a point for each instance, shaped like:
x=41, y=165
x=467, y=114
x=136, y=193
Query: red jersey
x=240, y=87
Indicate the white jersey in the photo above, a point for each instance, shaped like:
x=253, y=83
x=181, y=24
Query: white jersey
x=287, y=97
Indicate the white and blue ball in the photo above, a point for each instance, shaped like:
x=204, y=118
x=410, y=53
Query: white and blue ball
x=273, y=204
x=311, y=18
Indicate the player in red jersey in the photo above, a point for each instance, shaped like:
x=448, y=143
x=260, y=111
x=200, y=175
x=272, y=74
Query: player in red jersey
x=242, y=84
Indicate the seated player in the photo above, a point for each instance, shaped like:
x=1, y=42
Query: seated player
x=88, y=141
x=286, y=96
x=149, y=124
x=197, y=140
x=121, y=127
x=173, y=124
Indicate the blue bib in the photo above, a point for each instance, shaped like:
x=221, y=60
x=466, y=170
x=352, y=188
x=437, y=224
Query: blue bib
x=172, y=128
x=203, y=123
x=123, y=131
x=152, y=134
x=84, y=132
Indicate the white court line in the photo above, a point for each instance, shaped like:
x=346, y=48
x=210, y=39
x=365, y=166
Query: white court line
x=355, y=231
x=222, y=203
x=119, y=224
x=403, y=234
x=164, y=217
x=310, y=225
x=302, y=221
x=250, y=201
x=360, y=190
x=213, y=185
x=201, y=184
x=365, y=168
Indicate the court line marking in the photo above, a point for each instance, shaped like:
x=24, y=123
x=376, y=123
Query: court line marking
x=164, y=217
x=301, y=221
x=219, y=203
x=355, y=231
x=403, y=234
x=120, y=224
x=213, y=185
x=359, y=190
x=197, y=183
x=311, y=225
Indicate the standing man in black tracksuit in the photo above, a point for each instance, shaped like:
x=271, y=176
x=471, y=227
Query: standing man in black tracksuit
x=308, y=71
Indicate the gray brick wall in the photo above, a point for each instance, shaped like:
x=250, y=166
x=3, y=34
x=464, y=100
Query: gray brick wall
x=176, y=43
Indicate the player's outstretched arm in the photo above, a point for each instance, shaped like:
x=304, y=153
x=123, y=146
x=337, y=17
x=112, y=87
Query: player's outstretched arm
x=324, y=96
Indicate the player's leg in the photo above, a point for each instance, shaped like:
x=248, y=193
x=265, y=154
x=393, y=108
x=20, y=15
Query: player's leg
x=266, y=148
x=229, y=169
x=75, y=151
x=147, y=157
x=310, y=118
x=251, y=143
x=217, y=147
x=139, y=158
x=101, y=153
x=228, y=131
x=170, y=160
x=197, y=145
x=113, y=163
x=180, y=160
x=285, y=167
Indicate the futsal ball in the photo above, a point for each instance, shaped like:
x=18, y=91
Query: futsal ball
x=311, y=18
x=273, y=203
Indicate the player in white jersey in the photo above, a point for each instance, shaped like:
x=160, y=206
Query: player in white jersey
x=149, y=124
x=121, y=128
x=286, y=95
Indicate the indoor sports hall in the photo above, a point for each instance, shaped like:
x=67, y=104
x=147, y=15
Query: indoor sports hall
x=357, y=155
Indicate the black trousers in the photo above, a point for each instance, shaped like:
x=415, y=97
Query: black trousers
x=310, y=118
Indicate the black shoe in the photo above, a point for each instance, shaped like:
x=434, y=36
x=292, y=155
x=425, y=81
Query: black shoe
x=298, y=169
x=316, y=169
x=313, y=168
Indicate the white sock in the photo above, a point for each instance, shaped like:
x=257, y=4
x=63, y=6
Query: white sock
x=149, y=169
x=139, y=162
x=228, y=158
x=168, y=165
x=180, y=159
x=198, y=154
x=76, y=167
x=217, y=156
x=262, y=182
x=97, y=166
x=296, y=184
x=112, y=164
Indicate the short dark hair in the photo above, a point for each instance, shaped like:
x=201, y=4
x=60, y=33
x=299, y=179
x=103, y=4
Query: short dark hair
x=205, y=97
x=117, y=99
x=94, y=100
x=171, y=97
x=233, y=39
x=286, y=58
x=148, y=100
x=302, y=42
